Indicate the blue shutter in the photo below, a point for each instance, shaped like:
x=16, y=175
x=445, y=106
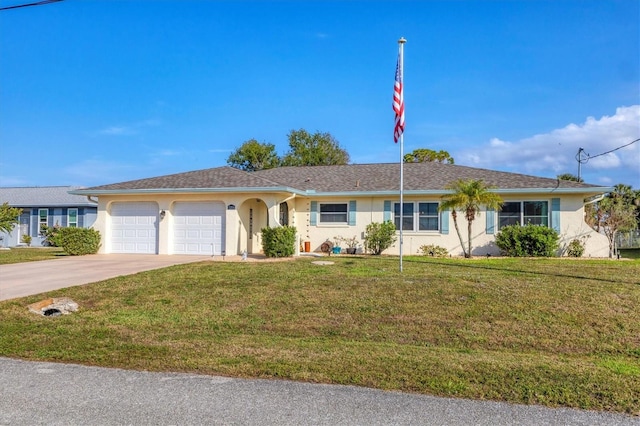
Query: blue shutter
x=444, y=221
x=80, y=217
x=64, y=218
x=387, y=211
x=555, y=214
x=491, y=221
x=352, y=213
x=50, y=218
x=313, y=217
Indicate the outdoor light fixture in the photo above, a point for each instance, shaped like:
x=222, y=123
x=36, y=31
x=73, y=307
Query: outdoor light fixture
x=162, y=214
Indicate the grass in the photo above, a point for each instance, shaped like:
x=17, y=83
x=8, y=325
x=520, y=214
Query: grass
x=556, y=332
x=630, y=253
x=29, y=254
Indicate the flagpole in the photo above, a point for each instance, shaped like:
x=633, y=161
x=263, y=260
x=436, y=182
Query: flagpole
x=401, y=43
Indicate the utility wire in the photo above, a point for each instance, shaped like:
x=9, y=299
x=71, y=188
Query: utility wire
x=38, y=3
x=615, y=149
x=583, y=158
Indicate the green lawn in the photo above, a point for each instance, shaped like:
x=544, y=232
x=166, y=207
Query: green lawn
x=556, y=332
x=29, y=254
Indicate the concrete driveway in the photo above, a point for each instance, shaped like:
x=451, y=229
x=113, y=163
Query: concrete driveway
x=24, y=279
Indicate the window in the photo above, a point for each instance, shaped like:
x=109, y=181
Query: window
x=334, y=213
x=72, y=218
x=417, y=216
x=523, y=213
x=43, y=218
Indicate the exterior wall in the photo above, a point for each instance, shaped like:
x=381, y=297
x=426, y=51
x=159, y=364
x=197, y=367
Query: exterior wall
x=247, y=214
x=237, y=205
x=569, y=220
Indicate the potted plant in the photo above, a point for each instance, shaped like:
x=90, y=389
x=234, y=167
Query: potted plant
x=336, y=245
x=352, y=244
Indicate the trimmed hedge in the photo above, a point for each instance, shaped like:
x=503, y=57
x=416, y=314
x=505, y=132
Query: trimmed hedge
x=78, y=241
x=527, y=241
x=279, y=242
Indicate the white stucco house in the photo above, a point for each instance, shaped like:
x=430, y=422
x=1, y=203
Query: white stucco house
x=222, y=210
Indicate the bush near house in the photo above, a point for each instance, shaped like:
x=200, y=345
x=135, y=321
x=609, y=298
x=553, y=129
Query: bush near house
x=279, y=242
x=379, y=237
x=51, y=235
x=78, y=241
x=529, y=240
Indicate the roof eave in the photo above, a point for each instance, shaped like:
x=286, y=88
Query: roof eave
x=99, y=192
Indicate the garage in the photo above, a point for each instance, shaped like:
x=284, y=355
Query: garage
x=198, y=228
x=134, y=228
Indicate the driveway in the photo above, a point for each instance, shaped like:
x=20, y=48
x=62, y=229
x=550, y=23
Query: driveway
x=24, y=279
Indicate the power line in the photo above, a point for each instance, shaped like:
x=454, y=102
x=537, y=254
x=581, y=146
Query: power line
x=582, y=157
x=609, y=152
x=38, y=3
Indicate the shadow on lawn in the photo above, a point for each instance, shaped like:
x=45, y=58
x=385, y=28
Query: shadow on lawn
x=521, y=271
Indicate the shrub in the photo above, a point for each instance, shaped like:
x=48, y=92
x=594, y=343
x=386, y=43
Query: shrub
x=379, y=237
x=528, y=240
x=279, y=242
x=434, y=251
x=78, y=241
x=26, y=239
x=51, y=235
x=575, y=248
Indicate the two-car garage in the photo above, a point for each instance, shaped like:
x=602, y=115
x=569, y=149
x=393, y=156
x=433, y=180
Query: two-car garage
x=193, y=227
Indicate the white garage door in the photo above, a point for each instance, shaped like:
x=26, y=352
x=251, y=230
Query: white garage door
x=198, y=228
x=134, y=227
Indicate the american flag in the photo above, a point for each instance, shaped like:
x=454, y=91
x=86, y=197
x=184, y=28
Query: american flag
x=398, y=103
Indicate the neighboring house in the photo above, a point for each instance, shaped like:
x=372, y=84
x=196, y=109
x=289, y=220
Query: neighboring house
x=45, y=205
x=222, y=210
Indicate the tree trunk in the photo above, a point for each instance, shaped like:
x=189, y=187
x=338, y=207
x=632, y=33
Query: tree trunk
x=455, y=224
x=468, y=255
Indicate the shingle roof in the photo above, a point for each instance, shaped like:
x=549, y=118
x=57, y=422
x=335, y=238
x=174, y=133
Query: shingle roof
x=352, y=178
x=220, y=177
x=42, y=196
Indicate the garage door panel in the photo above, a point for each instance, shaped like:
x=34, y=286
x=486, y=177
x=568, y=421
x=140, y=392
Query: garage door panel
x=134, y=227
x=198, y=228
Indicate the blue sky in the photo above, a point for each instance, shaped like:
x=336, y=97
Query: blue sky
x=96, y=91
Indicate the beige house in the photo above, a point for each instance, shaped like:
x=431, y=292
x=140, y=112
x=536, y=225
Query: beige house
x=222, y=210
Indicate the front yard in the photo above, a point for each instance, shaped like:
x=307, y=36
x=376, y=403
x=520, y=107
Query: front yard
x=556, y=332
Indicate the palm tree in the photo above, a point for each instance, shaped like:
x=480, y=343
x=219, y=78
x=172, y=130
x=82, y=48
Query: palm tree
x=467, y=196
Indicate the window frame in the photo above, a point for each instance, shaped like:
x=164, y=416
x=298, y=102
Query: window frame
x=40, y=217
x=322, y=214
x=523, y=218
x=71, y=224
x=415, y=216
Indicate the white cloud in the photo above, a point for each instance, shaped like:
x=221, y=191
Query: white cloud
x=128, y=129
x=553, y=153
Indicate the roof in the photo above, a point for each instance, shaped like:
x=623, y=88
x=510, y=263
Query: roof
x=43, y=196
x=351, y=179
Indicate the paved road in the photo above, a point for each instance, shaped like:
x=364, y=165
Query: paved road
x=24, y=279
x=36, y=393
